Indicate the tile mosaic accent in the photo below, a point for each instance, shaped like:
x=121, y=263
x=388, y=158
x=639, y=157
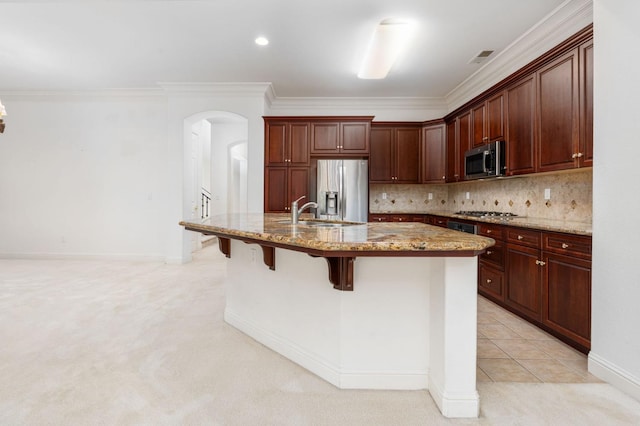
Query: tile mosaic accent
x=571, y=196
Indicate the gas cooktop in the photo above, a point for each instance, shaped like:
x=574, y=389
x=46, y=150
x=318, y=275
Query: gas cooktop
x=479, y=213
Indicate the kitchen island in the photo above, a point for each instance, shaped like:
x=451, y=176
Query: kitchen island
x=366, y=306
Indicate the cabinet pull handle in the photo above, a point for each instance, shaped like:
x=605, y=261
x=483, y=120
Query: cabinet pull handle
x=565, y=245
x=489, y=252
x=574, y=156
x=488, y=281
x=520, y=238
x=489, y=231
x=580, y=154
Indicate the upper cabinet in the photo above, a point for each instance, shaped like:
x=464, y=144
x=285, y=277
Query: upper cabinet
x=558, y=113
x=544, y=112
x=520, y=137
x=586, y=104
x=487, y=121
x=434, y=152
x=395, y=153
x=341, y=136
x=286, y=143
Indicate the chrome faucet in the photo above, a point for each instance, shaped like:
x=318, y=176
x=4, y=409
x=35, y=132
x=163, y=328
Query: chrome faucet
x=295, y=211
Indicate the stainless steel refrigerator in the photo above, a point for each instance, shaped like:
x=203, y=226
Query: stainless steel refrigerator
x=343, y=190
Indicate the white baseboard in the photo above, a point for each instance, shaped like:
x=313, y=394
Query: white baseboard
x=389, y=380
x=455, y=405
x=85, y=256
x=615, y=376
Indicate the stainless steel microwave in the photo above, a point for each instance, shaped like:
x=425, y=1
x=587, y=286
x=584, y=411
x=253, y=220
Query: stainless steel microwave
x=485, y=161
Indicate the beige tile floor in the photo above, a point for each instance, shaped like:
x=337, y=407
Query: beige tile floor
x=512, y=350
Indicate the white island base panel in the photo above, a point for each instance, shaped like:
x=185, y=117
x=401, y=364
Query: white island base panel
x=410, y=322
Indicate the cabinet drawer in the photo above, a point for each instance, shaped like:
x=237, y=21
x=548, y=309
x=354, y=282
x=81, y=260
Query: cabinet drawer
x=524, y=237
x=379, y=218
x=490, y=281
x=572, y=245
x=437, y=221
x=494, y=255
x=492, y=231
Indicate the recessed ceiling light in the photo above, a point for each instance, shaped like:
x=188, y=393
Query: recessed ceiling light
x=386, y=44
x=262, y=41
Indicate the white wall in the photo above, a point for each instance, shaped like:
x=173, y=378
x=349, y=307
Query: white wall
x=615, y=354
x=83, y=175
x=222, y=136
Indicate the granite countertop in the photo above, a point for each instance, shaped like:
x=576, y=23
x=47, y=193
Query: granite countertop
x=555, y=225
x=412, y=238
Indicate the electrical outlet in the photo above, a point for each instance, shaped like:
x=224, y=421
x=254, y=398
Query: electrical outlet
x=547, y=193
x=384, y=195
x=430, y=196
x=468, y=195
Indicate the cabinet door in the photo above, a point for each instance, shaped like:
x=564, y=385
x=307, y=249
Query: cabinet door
x=478, y=134
x=490, y=282
x=298, y=184
x=494, y=125
x=276, y=191
x=453, y=153
x=324, y=138
x=434, y=154
x=464, y=140
x=407, y=150
x=586, y=104
x=381, y=159
x=299, y=144
x=276, y=151
x=520, y=127
x=523, y=289
x=558, y=113
x=354, y=138
x=567, y=297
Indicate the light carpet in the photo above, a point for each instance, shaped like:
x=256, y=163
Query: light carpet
x=122, y=343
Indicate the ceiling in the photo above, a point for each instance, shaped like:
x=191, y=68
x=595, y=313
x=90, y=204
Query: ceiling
x=314, y=51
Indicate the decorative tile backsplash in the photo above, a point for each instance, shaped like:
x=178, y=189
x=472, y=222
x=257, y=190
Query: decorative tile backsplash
x=570, y=196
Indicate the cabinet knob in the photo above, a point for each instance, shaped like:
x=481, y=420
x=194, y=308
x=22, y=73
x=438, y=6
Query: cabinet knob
x=565, y=245
x=486, y=138
x=489, y=281
x=520, y=238
x=444, y=177
x=540, y=262
x=489, y=252
x=580, y=154
x=489, y=231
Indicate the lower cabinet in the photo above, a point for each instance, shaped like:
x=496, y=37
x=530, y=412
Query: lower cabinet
x=389, y=217
x=544, y=277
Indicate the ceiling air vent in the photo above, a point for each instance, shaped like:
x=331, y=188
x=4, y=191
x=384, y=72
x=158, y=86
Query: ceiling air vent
x=481, y=57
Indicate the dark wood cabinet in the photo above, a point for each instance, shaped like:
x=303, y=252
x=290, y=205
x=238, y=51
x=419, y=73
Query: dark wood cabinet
x=286, y=143
x=340, y=136
x=283, y=185
x=490, y=281
x=487, y=121
x=390, y=217
x=458, y=142
x=586, y=105
x=558, y=113
x=395, y=154
x=491, y=263
x=520, y=139
x=440, y=221
x=567, y=296
x=434, y=154
x=453, y=153
x=523, y=283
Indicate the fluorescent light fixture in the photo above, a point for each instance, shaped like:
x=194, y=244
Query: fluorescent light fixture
x=262, y=41
x=387, y=42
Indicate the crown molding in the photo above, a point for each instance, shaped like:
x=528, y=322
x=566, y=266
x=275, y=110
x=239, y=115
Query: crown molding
x=566, y=20
x=84, y=94
x=224, y=89
x=332, y=103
